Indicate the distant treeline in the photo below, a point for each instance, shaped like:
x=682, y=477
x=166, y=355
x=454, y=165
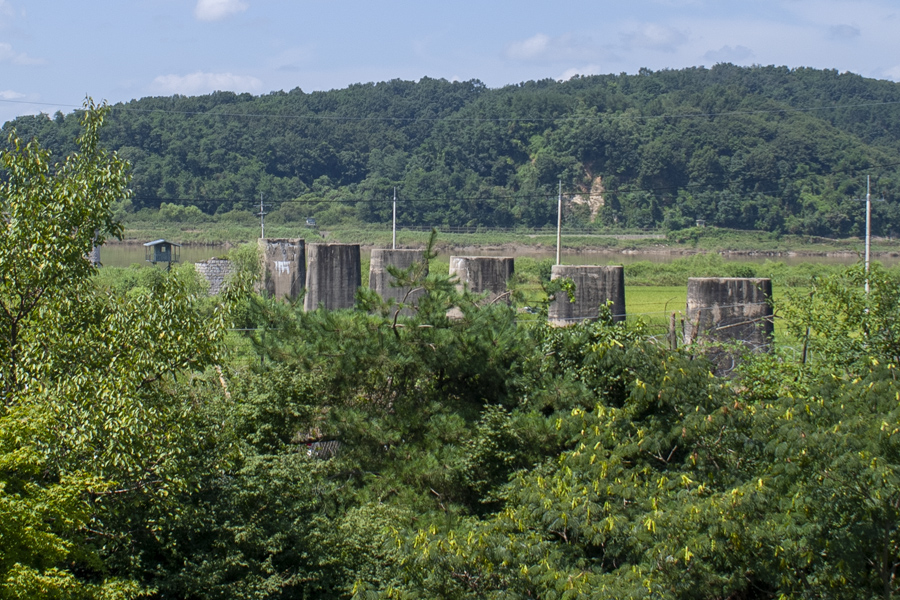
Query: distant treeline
x=770, y=148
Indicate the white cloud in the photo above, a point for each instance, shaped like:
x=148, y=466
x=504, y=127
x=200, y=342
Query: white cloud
x=216, y=10
x=203, y=83
x=569, y=47
x=735, y=54
x=534, y=47
x=656, y=37
x=292, y=59
x=575, y=71
x=8, y=55
x=10, y=95
x=843, y=32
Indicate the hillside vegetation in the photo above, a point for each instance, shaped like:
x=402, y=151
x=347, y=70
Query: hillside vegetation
x=768, y=148
x=159, y=443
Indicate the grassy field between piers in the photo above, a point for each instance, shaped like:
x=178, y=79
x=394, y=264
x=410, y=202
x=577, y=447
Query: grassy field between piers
x=190, y=226
x=654, y=306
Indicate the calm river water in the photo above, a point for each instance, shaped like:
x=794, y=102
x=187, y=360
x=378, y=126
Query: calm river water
x=123, y=255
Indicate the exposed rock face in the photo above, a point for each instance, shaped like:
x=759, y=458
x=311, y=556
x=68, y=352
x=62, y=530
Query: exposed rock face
x=596, y=197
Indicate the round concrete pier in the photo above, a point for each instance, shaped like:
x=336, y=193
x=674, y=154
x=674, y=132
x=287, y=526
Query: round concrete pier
x=729, y=310
x=594, y=286
x=480, y=274
x=382, y=281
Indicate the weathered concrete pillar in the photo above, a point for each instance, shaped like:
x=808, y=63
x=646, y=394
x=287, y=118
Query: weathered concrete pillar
x=283, y=266
x=381, y=280
x=332, y=277
x=216, y=271
x=94, y=256
x=481, y=274
x=594, y=285
x=729, y=309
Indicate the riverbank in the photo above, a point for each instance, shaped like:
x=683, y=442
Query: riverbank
x=744, y=246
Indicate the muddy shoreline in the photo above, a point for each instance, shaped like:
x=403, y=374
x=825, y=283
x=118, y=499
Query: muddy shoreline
x=515, y=249
x=531, y=249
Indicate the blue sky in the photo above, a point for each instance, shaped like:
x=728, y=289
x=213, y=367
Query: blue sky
x=54, y=53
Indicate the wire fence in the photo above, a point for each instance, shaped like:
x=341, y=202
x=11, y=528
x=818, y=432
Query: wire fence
x=654, y=234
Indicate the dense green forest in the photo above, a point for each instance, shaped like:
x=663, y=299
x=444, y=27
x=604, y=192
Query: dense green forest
x=767, y=148
x=155, y=442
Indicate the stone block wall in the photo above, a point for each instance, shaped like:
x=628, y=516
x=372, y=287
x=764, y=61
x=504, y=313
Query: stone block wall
x=216, y=271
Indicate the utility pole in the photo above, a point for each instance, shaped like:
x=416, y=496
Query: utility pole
x=262, y=217
x=394, y=227
x=868, y=226
x=558, y=221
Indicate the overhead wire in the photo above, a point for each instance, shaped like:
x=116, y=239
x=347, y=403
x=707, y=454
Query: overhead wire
x=513, y=197
x=549, y=195
x=320, y=117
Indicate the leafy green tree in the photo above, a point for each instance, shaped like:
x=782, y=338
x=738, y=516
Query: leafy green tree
x=90, y=429
x=677, y=484
x=52, y=217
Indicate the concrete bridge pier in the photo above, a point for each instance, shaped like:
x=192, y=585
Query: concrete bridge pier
x=481, y=274
x=381, y=280
x=729, y=310
x=332, y=276
x=283, y=267
x=594, y=285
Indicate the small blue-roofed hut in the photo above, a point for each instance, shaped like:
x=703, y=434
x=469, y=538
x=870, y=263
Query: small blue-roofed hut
x=161, y=251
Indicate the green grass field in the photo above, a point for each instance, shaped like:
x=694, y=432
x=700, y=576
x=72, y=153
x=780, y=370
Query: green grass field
x=655, y=304
x=193, y=227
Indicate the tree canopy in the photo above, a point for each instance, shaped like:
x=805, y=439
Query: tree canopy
x=158, y=443
x=767, y=148
x=88, y=429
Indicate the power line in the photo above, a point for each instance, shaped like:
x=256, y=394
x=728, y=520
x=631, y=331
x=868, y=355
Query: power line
x=386, y=201
x=597, y=117
x=423, y=200
x=445, y=200
x=513, y=196
x=548, y=195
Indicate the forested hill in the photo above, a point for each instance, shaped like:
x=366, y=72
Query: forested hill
x=767, y=148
